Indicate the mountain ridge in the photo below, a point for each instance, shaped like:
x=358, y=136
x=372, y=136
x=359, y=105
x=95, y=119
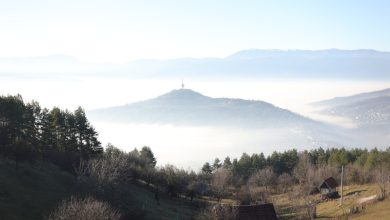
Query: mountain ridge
x=366, y=109
x=188, y=106
x=273, y=52
x=355, y=97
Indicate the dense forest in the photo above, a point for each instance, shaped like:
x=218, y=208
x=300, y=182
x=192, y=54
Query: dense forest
x=34, y=136
x=30, y=133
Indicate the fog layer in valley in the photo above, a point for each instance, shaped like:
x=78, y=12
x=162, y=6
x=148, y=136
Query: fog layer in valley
x=190, y=146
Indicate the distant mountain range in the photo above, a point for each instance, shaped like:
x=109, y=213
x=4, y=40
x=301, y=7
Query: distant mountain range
x=370, y=109
x=323, y=64
x=187, y=107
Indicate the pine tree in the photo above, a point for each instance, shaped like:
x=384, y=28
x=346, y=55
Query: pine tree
x=147, y=154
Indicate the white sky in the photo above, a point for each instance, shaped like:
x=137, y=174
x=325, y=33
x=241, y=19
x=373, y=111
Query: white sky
x=118, y=31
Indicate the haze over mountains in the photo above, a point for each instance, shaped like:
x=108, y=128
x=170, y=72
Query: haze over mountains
x=322, y=64
x=189, y=123
x=184, y=120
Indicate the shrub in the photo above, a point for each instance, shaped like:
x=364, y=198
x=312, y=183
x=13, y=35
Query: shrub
x=84, y=209
x=244, y=196
x=215, y=212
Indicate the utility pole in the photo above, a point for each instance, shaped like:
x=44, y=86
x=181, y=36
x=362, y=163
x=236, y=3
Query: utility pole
x=342, y=177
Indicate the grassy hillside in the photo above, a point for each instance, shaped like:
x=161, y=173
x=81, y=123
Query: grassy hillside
x=31, y=193
x=353, y=195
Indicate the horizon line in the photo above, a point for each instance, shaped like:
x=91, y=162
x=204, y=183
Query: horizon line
x=81, y=61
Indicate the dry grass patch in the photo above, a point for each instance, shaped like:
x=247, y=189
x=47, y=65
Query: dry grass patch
x=380, y=210
x=352, y=195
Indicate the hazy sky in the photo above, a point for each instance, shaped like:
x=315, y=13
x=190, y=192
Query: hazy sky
x=119, y=31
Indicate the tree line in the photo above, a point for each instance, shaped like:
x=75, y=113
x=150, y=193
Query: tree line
x=288, y=161
x=30, y=133
x=254, y=178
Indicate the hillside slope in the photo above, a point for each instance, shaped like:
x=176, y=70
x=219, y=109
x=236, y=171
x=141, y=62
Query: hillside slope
x=31, y=193
x=377, y=211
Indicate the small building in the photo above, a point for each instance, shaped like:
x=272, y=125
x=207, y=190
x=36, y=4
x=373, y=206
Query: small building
x=328, y=188
x=245, y=212
x=252, y=212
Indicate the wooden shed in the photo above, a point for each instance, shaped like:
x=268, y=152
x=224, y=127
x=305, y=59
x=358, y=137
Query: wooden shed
x=328, y=188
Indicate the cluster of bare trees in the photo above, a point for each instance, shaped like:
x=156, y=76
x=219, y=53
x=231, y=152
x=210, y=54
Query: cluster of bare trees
x=106, y=170
x=107, y=178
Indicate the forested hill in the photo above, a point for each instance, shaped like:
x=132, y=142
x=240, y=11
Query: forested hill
x=185, y=106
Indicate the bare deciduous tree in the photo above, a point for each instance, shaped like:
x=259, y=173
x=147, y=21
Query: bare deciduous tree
x=104, y=171
x=305, y=172
x=285, y=181
x=103, y=176
x=382, y=173
x=264, y=177
x=220, y=181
